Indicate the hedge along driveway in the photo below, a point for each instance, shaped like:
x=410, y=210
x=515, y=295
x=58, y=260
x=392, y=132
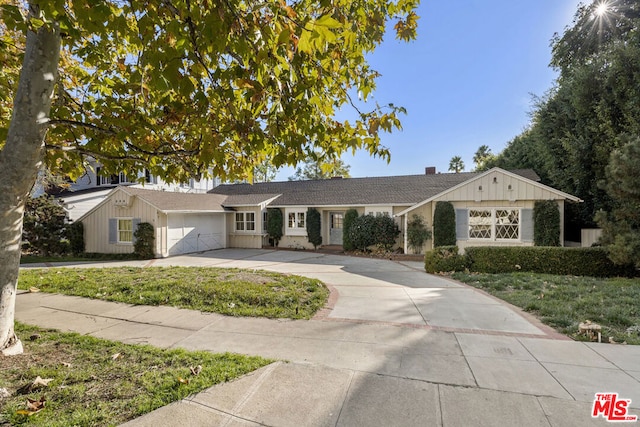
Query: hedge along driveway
x=232, y=292
x=593, y=262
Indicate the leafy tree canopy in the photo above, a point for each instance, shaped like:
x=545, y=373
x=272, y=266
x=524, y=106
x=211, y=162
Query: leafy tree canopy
x=593, y=105
x=180, y=86
x=482, y=156
x=264, y=172
x=621, y=226
x=316, y=167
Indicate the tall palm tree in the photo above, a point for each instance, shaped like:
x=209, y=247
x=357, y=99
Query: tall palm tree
x=456, y=164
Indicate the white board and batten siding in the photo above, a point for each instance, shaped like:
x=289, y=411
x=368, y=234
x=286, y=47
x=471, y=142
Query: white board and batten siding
x=497, y=190
x=500, y=186
x=98, y=223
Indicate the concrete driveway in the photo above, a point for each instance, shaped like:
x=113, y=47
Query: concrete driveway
x=381, y=291
x=397, y=348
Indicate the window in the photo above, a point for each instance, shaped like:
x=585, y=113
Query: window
x=507, y=224
x=378, y=210
x=480, y=224
x=296, y=220
x=336, y=220
x=245, y=221
x=264, y=220
x=125, y=231
x=494, y=224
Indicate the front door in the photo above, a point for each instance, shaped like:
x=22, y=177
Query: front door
x=335, y=232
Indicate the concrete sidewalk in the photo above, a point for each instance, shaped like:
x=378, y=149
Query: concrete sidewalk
x=361, y=367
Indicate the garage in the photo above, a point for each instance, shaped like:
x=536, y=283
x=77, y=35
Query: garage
x=190, y=232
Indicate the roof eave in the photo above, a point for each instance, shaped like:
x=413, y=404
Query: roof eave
x=565, y=196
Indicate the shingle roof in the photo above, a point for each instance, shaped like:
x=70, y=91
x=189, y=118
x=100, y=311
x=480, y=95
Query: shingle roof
x=247, y=199
x=387, y=190
x=168, y=201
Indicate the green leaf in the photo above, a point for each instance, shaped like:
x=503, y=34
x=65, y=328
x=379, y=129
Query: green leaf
x=328, y=21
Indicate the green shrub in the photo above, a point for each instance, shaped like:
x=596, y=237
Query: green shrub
x=274, y=225
x=313, y=225
x=143, y=241
x=369, y=230
x=546, y=223
x=349, y=216
x=385, y=231
x=75, y=235
x=444, y=259
x=43, y=230
x=360, y=232
x=417, y=233
x=592, y=262
x=444, y=225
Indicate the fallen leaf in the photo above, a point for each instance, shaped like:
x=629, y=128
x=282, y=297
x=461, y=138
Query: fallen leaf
x=36, y=405
x=196, y=370
x=33, y=289
x=36, y=384
x=34, y=337
x=116, y=356
x=33, y=406
x=183, y=381
x=41, y=382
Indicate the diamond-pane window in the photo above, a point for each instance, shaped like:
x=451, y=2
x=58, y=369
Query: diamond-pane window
x=507, y=224
x=480, y=223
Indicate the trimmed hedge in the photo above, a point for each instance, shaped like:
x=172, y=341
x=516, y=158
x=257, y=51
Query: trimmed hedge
x=349, y=216
x=444, y=259
x=444, y=224
x=546, y=219
x=274, y=225
x=314, y=230
x=592, y=262
x=144, y=238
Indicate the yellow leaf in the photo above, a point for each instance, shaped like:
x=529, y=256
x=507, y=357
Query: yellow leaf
x=116, y=356
x=33, y=289
x=183, y=381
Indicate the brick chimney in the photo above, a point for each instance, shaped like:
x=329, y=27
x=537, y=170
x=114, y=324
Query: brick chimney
x=430, y=170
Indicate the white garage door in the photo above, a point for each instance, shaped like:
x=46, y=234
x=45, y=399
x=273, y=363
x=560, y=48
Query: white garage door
x=194, y=233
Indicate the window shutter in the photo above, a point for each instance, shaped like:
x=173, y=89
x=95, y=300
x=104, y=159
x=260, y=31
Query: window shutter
x=462, y=224
x=527, y=225
x=135, y=223
x=113, y=231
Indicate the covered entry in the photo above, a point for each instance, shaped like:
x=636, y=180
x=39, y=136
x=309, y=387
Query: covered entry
x=188, y=233
x=335, y=227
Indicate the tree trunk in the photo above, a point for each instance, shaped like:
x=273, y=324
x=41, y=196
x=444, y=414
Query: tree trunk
x=20, y=160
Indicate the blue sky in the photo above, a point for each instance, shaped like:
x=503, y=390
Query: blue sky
x=466, y=81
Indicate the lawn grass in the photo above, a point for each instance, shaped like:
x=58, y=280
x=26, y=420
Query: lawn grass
x=562, y=302
x=233, y=292
x=95, y=382
x=36, y=259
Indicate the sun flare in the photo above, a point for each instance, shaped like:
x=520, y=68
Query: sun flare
x=602, y=9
